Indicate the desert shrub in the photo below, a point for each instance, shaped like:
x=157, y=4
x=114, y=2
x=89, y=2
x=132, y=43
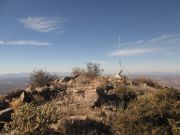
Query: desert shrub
x=93, y=69
x=147, y=81
x=126, y=95
x=16, y=103
x=149, y=114
x=31, y=120
x=40, y=78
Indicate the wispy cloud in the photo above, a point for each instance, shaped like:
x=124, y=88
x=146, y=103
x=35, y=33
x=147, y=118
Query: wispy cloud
x=134, y=51
x=164, y=43
x=41, y=24
x=25, y=42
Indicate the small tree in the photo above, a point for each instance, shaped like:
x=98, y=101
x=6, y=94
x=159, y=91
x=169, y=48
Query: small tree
x=94, y=69
x=40, y=78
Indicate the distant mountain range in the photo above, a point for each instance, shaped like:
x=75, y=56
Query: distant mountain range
x=24, y=75
x=10, y=82
x=14, y=75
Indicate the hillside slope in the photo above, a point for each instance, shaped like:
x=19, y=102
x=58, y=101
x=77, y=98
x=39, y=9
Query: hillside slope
x=102, y=105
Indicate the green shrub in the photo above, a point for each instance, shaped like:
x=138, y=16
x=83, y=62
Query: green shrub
x=31, y=120
x=93, y=69
x=126, y=95
x=150, y=114
x=41, y=78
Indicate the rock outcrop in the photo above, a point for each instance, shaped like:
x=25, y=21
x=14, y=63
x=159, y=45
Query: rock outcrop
x=91, y=97
x=5, y=116
x=3, y=104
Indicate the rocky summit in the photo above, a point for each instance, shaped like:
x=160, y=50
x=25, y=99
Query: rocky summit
x=81, y=105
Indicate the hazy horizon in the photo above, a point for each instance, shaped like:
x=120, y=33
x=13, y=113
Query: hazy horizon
x=104, y=73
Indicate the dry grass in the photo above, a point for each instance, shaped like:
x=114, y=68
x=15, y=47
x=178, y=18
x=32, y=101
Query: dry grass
x=16, y=103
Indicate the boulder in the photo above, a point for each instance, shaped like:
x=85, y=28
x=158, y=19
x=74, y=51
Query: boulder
x=14, y=94
x=98, y=97
x=108, y=86
x=5, y=115
x=3, y=104
x=18, y=101
x=50, y=92
x=66, y=79
x=121, y=99
x=90, y=97
x=25, y=97
x=75, y=76
x=29, y=89
x=41, y=89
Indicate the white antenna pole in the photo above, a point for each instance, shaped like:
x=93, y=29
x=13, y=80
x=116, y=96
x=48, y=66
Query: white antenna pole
x=120, y=63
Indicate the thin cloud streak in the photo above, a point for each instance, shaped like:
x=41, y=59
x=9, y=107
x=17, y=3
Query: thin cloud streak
x=25, y=43
x=41, y=24
x=133, y=52
x=164, y=43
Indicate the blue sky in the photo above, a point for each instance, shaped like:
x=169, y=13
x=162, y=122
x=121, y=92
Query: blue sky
x=61, y=34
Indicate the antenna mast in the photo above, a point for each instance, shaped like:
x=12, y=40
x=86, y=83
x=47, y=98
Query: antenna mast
x=120, y=60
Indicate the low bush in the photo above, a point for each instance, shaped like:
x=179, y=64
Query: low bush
x=150, y=115
x=41, y=78
x=32, y=120
x=92, y=70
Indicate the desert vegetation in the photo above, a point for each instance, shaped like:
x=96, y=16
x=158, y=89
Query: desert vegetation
x=93, y=105
x=41, y=78
x=92, y=70
x=29, y=119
